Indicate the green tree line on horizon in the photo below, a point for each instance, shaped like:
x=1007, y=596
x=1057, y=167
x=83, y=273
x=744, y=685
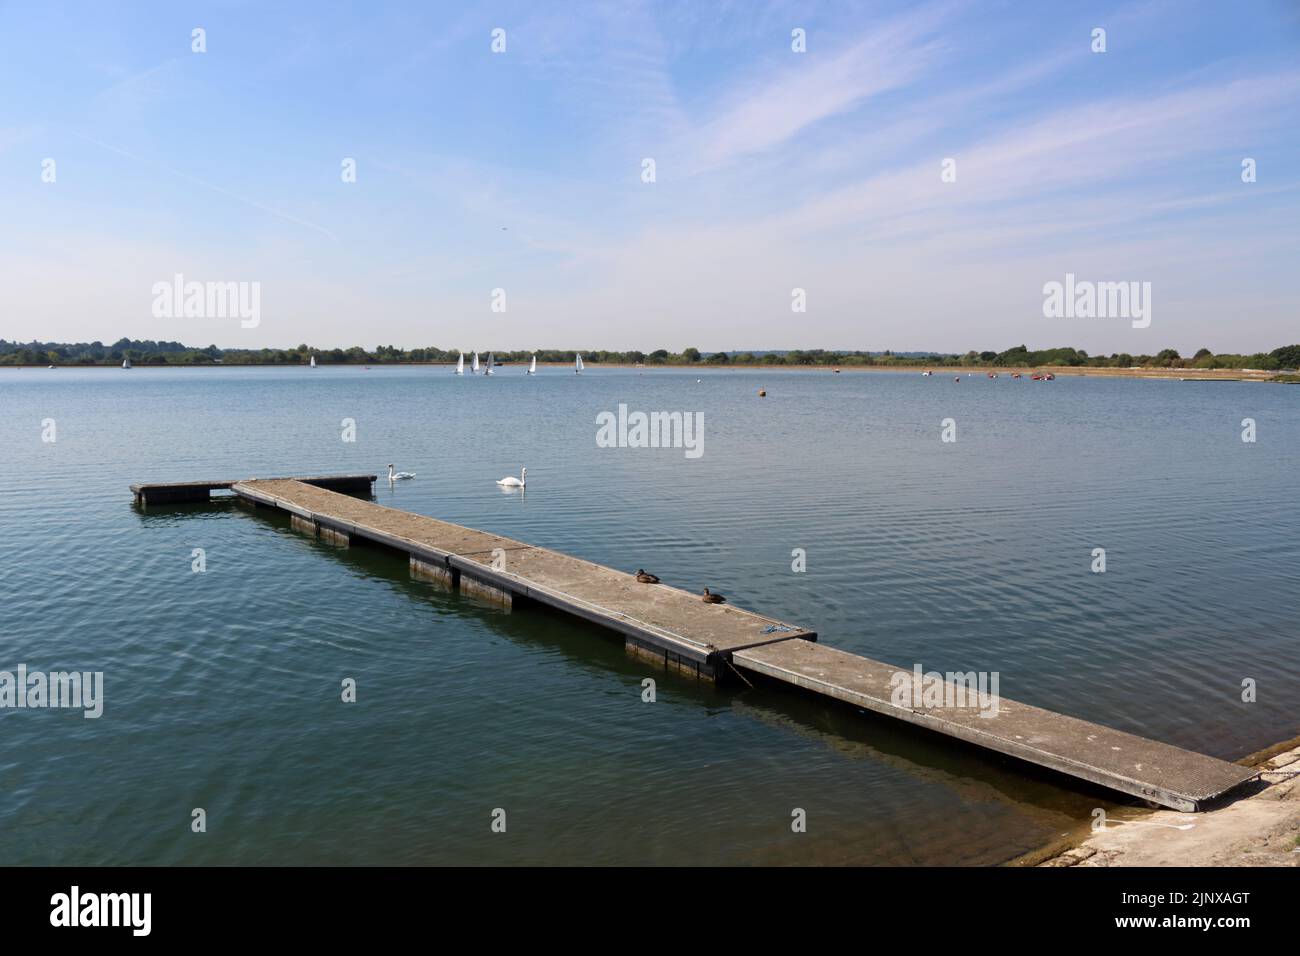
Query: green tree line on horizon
x=150, y=352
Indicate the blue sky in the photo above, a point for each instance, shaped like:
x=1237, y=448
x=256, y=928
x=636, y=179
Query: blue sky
x=774, y=170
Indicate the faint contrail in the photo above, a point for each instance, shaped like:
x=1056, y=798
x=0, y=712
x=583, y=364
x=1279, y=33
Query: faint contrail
x=207, y=185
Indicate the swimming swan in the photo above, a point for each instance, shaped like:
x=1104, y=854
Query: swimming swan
x=513, y=482
x=399, y=476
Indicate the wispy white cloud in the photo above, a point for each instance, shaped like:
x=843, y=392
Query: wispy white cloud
x=775, y=170
x=808, y=89
x=1079, y=147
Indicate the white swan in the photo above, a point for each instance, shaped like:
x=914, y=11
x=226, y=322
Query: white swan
x=399, y=476
x=513, y=482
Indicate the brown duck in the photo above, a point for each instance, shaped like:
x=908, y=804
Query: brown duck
x=710, y=598
x=645, y=577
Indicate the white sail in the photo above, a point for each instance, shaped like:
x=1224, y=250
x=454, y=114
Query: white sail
x=126, y=362
x=473, y=366
x=577, y=365
x=532, y=368
x=460, y=364
x=313, y=361
x=490, y=361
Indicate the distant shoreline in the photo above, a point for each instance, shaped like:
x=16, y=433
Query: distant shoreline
x=1174, y=374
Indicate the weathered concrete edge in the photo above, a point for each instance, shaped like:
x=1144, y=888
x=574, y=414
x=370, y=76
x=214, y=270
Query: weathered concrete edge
x=150, y=485
x=1057, y=762
x=180, y=492
x=226, y=483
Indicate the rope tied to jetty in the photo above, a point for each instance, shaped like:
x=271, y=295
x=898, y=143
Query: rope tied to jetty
x=727, y=661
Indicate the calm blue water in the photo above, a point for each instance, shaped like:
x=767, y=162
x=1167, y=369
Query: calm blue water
x=222, y=688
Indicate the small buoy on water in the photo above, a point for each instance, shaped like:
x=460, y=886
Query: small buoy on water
x=762, y=393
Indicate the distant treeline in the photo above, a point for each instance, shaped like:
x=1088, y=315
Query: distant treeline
x=148, y=352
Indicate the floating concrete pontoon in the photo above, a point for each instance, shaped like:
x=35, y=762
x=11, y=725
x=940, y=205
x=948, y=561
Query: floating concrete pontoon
x=677, y=630
x=1144, y=768
x=668, y=625
x=175, y=492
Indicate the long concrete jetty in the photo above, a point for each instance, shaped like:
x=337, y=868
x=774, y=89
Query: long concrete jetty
x=1144, y=768
x=661, y=622
x=676, y=629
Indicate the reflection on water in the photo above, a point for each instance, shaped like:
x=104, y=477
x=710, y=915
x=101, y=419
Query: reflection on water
x=223, y=688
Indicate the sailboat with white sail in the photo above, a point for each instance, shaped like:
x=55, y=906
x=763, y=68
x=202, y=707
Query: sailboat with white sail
x=460, y=363
x=532, y=366
x=473, y=366
x=577, y=365
x=490, y=362
x=313, y=361
x=126, y=362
